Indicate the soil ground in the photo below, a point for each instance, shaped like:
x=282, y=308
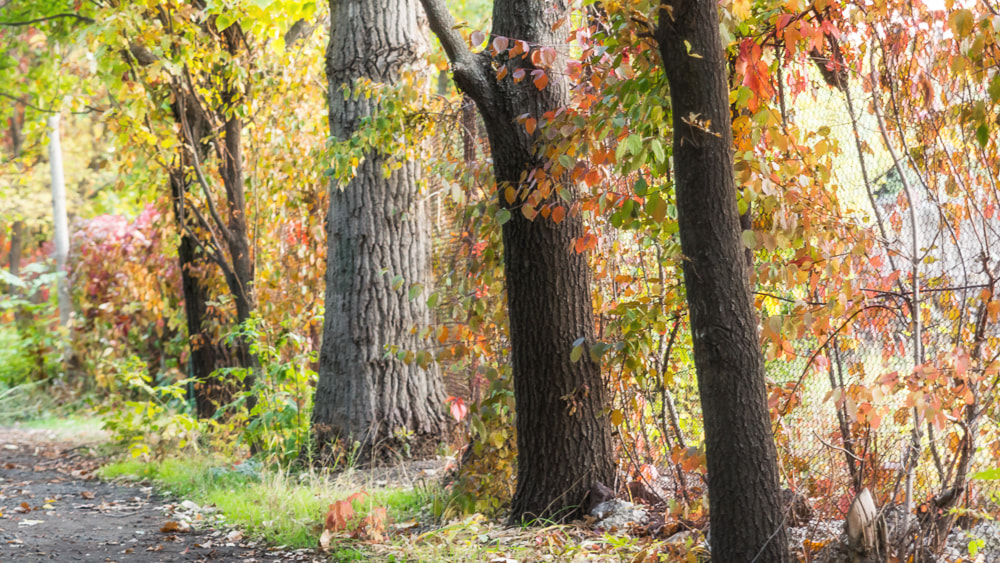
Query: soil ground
x=52, y=508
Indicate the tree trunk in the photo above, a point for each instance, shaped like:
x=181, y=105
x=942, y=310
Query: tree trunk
x=377, y=229
x=206, y=354
x=563, y=435
x=60, y=224
x=743, y=488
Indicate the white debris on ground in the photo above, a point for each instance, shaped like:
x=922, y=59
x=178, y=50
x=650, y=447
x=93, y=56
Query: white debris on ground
x=981, y=544
x=618, y=514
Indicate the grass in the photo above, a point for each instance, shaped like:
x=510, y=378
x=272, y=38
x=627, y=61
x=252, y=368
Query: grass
x=280, y=507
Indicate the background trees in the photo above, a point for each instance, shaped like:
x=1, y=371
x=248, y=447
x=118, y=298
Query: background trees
x=578, y=209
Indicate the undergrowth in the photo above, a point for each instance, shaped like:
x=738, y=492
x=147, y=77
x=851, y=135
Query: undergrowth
x=280, y=507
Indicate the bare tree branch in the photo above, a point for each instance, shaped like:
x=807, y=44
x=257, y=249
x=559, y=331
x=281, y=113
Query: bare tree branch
x=191, y=144
x=44, y=110
x=78, y=17
x=468, y=71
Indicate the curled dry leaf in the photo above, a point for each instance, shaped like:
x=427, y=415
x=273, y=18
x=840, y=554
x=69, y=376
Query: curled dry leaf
x=175, y=526
x=87, y=495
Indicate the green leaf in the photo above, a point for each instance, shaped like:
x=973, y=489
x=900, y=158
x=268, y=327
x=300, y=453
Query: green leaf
x=634, y=143
x=750, y=239
x=224, y=20
x=995, y=89
x=502, y=216
x=658, y=152
x=987, y=475
x=576, y=353
x=598, y=350
x=983, y=134
x=415, y=290
x=397, y=283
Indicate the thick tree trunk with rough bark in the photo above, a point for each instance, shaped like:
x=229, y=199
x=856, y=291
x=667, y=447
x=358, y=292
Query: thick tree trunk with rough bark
x=563, y=434
x=743, y=487
x=377, y=229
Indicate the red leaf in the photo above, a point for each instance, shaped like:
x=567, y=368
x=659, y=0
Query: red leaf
x=458, y=407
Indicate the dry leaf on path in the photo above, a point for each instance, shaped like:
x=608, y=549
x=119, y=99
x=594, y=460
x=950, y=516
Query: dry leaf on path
x=174, y=526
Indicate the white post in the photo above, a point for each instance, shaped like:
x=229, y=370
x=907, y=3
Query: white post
x=59, y=218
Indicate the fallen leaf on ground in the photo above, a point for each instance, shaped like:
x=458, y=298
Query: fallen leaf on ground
x=174, y=526
x=87, y=495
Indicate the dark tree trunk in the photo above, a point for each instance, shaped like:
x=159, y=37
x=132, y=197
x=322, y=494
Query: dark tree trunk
x=240, y=277
x=563, y=435
x=743, y=488
x=206, y=354
x=377, y=229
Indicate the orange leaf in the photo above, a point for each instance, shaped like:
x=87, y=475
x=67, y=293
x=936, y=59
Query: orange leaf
x=558, y=214
x=510, y=194
x=501, y=73
x=529, y=125
x=541, y=80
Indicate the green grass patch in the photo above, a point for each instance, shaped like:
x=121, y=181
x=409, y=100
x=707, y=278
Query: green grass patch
x=280, y=507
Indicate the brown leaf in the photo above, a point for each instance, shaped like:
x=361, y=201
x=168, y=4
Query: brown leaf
x=87, y=495
x=24, y=507
x=174, y=526
x=341, y=512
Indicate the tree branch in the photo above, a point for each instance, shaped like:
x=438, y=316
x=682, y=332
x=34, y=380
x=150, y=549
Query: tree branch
x=78, y=17
x=468, y=72
x=43, y=110
x=191, y=144
x=213, y=248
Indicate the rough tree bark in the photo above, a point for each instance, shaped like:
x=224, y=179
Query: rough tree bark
x=563, y=433
x=377, y=229
x=743, y=487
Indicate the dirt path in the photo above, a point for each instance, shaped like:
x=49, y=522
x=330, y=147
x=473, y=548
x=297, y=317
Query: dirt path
x=53, y=508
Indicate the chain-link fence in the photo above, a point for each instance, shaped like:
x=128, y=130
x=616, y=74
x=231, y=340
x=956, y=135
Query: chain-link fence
x=856, y=421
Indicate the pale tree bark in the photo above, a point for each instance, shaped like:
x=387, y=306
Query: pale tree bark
x=377, y=229
x=563, y=433
x=59, y=220
x=746, y=518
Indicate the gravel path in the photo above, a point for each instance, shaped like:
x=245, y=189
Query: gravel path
x=53, y=508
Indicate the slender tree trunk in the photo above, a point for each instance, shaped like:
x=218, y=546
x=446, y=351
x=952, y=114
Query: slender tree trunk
x=743, y=486
x=377, y=229
x=60, y=222
x=240, y=277
x=206, y=354
x=16, y=245
x=563, y=435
